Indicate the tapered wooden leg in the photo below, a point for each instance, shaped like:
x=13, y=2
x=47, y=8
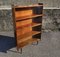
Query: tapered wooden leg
x=21, y=50
x=37, y=42
x=17, y=49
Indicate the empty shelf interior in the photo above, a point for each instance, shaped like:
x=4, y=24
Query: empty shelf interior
x=27, y=35
x=27, y=17
x=33, y=24
x=29, y=41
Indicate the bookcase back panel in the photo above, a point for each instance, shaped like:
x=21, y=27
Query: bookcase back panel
x=23, y=23
x=23, y=30
x=23, y=13
x=23, y=26
x=19, y=32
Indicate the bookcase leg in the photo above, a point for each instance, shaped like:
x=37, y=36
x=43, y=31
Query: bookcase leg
x=21, y=50
x=36, y=43
x=17, y=49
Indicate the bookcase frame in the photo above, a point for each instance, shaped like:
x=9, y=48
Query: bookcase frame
x=27, y=23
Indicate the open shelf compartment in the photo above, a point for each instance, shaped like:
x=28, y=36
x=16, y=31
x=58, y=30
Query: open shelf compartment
x=29, y=41
x=27, y=17
x=33, y=24
x=27, y=35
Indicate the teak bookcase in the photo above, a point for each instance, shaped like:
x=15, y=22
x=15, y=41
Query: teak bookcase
x=27, y=22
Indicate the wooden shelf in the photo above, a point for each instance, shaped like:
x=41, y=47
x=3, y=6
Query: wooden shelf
x=29, y=41
x=35, y=24
x=31, y=25
x=30, y=6
x=27, y=17
x=27, y=35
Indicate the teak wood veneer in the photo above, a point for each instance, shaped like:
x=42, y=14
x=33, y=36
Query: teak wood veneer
x=27, y=22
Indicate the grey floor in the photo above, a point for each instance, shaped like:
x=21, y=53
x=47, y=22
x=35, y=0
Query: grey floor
x=49, y=46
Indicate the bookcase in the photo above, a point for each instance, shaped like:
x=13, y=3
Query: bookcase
x=27, y=22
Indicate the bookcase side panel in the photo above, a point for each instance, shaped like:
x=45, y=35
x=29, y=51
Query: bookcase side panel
x=37, y=10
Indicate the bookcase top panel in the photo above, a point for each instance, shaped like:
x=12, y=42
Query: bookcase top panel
x=29, y=6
